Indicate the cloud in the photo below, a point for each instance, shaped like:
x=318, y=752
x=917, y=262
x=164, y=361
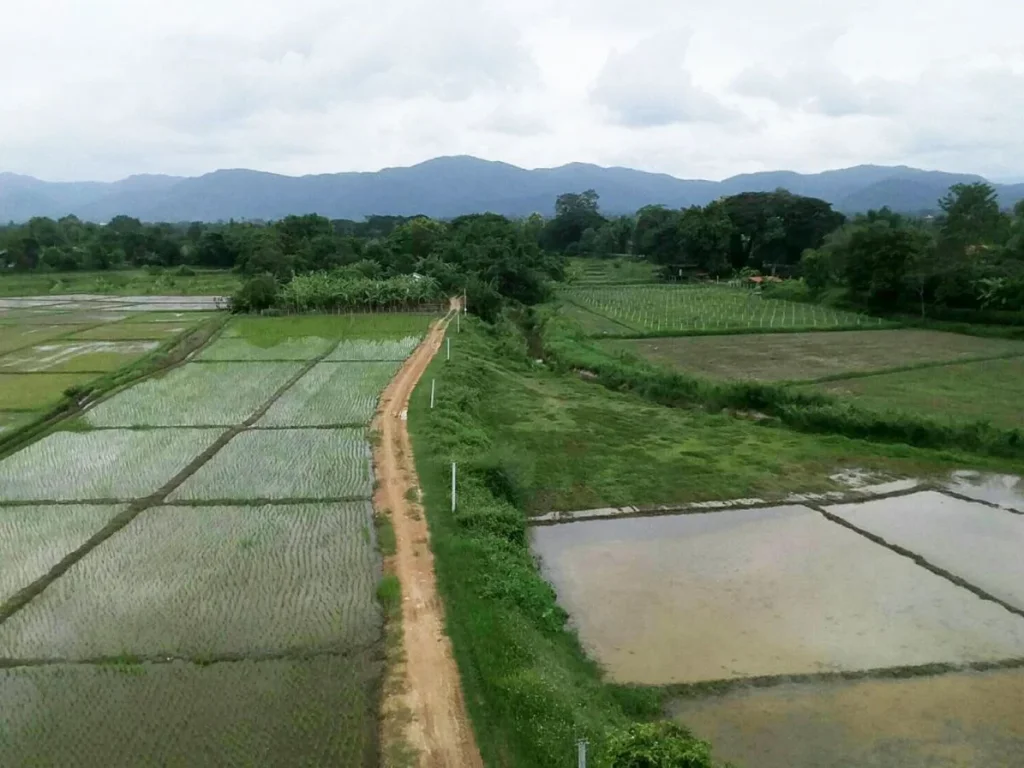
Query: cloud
x=649, y=85
x=112, y=87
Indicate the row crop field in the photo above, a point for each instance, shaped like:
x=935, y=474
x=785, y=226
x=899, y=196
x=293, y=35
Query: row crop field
x=210, y=581
x=809, y=356
x=331, y=394
x=652, y=309
x=189, y=569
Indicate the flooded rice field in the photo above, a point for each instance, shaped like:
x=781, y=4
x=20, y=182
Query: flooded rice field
x=861, y=622
x=981, y=545
x=753, y=592
x=969, y=719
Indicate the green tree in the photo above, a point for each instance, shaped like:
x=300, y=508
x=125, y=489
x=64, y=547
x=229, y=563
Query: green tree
x=574, y=215
x=704, y=235
x=971, y=216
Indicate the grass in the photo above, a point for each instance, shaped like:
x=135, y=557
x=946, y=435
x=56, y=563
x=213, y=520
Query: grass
x=37, y=391
x=808, y=356
x=528, y=439
x=991, y=390
x=657, y=309
x=129, y=282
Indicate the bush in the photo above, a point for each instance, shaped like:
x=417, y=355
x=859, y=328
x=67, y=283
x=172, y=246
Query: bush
x=185, y=271
x=656, y=745
x=256, y=294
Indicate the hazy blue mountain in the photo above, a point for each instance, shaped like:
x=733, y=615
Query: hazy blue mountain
x=450, y=186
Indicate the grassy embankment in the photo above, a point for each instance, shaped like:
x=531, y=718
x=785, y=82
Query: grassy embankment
x=529, y=439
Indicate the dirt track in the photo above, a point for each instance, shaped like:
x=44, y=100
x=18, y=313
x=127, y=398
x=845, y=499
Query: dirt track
x=423, y=705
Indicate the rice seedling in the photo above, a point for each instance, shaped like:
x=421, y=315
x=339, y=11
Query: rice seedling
x=107, y=464
x=331, y=394
x=285, y=464
x=654, y=308
x=34, y=539
x=200, y=582
x=222, y=394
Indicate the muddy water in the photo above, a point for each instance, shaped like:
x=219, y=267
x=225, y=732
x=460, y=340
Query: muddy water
x=982, y=545
x=758, y=592
x=969, y=720
x=1003, y=490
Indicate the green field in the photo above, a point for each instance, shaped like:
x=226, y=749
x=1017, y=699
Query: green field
x=208, y=582
x=332, y=394
x=129, y=282
x=808, y=356
x=33, y=539
x=991, y=390
x=621, y=270
x=213, y=394
x=674, y=309
x=75, y=356
x=319, y=711
x=108, y=464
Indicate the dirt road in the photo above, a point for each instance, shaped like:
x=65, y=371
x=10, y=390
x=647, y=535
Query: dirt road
x=423, y=711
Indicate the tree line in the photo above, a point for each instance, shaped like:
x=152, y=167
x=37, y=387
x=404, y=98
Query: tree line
x=971, y=256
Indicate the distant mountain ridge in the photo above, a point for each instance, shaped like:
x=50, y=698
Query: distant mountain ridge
x=450, y=186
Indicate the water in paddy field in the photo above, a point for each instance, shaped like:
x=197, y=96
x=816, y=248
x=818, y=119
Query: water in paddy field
x=754, y=592
x=962, y=720
x=1002, y=490
x=775, y=592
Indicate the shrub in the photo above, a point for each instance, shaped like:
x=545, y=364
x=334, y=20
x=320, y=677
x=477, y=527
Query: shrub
x=256, y=294
x=656, y=745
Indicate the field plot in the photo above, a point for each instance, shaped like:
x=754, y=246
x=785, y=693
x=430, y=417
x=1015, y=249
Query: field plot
x=319, y=711
x=201, y=582
x=359, y=350
x=962, y=720
x=131, y=332
x=671, y=308
x=75, y=356
x=34, y=539
x=19, y=336
x=743, y=593
x=285, y=464
x=992, y=390
x=331, y=394
x=36, y=391
x=13, y=419
x=108, y=464
x=271, y=331
x=802, y=356
x=209, y=394
x=977, y=543
x=614, y=271
x=233, y=348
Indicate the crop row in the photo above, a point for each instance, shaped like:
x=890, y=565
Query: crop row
x=681, y=308
x=207, y=581
x=331, y=394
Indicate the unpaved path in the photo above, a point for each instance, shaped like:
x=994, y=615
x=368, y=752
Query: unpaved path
x=423, y=704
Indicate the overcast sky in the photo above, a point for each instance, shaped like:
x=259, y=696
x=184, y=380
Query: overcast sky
x=99, y=89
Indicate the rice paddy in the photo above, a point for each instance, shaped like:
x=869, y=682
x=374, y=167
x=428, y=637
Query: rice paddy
x=250, y=546
x=205, y=582
x=285, y=464
x=652, y=309
x=33, y=539
x=108, y=464
x=331, y=394
x=211, y=394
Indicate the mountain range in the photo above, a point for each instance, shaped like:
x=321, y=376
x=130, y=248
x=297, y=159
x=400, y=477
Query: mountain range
x=450, y=186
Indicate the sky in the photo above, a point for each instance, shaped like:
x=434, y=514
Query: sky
x=108, y=88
